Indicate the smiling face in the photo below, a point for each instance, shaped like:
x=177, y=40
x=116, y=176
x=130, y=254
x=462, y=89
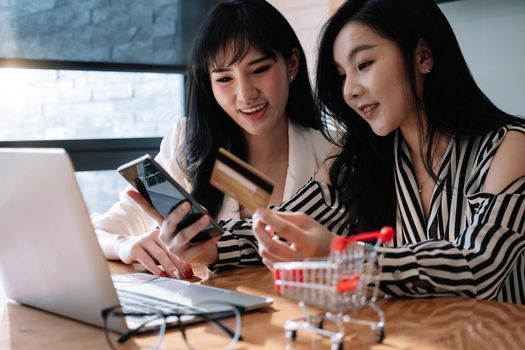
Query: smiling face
x=254, y=90
x=373, y=78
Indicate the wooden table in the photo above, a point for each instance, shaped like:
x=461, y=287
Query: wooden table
x=438, y=323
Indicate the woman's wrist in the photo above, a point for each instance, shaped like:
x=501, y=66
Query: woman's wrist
x=213, y=256
x=110, y=243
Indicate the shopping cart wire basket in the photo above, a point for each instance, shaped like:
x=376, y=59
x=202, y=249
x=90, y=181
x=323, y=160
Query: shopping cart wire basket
x=346, y=281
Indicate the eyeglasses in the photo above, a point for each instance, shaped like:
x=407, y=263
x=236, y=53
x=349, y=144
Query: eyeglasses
x=188, y=320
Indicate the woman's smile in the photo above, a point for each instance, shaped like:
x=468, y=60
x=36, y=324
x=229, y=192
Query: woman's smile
x=368, y=110
x=254, y=113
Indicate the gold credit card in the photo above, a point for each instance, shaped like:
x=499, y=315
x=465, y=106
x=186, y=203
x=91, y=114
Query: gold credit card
x=239, y=180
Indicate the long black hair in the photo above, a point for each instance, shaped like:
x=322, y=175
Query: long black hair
x=451, y=100
x=242, y=25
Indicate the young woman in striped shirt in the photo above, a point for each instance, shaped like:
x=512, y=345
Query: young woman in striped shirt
x=424, y=150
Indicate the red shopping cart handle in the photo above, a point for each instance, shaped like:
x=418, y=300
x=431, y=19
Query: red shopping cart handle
x=385, y=235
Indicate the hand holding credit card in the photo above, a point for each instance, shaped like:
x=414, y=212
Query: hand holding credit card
x=241, y=181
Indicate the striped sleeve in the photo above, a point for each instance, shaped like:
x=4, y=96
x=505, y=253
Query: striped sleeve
x=475, y=264
x=238, y=246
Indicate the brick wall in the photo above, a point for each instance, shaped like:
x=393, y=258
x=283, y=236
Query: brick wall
x=138, y=31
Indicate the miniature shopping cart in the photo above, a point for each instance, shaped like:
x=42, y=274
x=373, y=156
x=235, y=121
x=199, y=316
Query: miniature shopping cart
x=346, y=281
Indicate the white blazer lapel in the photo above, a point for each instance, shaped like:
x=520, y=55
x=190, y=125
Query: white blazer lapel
x=302, y=162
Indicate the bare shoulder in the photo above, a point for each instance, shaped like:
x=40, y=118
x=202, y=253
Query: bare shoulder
x=508, y=163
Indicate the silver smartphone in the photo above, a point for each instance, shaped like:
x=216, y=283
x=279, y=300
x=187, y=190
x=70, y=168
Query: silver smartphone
x=165, y=194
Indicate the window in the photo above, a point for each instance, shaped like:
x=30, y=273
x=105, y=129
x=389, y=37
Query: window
x=104, y=79
x=68, y=107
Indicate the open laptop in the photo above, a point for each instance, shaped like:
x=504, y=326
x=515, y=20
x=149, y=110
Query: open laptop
x=49, y=255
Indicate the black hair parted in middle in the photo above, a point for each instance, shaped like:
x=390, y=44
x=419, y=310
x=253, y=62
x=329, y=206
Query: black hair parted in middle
x=452, y=103
x=238, y=26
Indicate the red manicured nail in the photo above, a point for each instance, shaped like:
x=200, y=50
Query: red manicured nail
x=188, y=274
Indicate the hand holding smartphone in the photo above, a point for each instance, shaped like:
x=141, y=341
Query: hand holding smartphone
x=165, y=194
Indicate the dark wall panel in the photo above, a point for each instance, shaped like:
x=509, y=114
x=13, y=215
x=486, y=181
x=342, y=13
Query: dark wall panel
x=115, y=31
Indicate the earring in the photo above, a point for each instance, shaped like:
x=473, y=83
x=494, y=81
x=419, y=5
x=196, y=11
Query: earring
x=427, y=70
x=291, y=78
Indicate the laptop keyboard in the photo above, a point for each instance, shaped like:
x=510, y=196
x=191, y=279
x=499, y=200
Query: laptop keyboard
x=133, y=302
x=137, y=302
